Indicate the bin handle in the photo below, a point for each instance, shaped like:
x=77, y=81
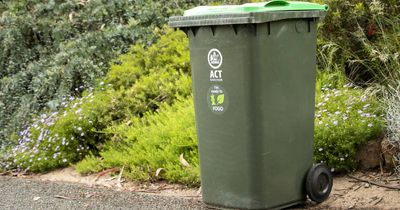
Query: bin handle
x=273, y=3
x=276, y=3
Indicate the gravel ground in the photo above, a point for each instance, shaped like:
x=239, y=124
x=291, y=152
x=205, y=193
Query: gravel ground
x=65, y=189
x=17, y=193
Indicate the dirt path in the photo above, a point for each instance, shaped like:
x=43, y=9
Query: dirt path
x=347, y=192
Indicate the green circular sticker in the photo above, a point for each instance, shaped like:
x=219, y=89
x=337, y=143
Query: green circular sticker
x=217, y=99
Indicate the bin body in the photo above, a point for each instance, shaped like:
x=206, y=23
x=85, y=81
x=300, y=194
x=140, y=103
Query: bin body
x=254, y=89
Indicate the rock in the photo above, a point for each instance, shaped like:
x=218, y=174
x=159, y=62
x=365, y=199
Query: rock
x=388, y=153
x=369, y=155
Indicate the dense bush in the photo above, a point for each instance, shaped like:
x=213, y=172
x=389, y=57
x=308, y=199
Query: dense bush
x=143, y=79
x=51, y=49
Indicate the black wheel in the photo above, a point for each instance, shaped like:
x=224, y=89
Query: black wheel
x=319, y=182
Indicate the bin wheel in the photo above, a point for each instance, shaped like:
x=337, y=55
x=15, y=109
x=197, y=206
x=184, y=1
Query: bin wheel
x=319, y=182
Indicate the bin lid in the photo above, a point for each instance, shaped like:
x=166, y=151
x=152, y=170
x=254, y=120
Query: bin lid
x=248, y=13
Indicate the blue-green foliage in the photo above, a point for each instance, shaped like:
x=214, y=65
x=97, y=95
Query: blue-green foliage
x=51, y=49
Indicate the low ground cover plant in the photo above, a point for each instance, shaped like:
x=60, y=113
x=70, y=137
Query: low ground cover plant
x=161, y=145
x=346, y=116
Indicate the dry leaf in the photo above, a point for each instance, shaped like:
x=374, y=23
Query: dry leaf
x=89, y=195
x=183, y=161
x=71, y=17
x=158, y=171
x=119, y=181
x=63, y=197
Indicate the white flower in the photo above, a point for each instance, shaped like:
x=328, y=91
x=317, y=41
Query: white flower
x=79, y=128
x=337, y=112
x=359, y=111
x=370, y=125
x=101, y=83
x=64, y=160
x=363, y=98
x=341, y=159
x=335, y=122
x=332, y=169
x=320, y=149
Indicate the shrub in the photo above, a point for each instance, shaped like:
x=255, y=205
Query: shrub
x=137, y=85
x=345, y=117
x=160, y=145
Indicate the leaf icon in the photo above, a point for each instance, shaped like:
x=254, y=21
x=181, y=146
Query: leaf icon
x=212, y=100
x=221, y=99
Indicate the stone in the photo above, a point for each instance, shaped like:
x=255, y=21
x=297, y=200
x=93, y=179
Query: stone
x=389, y=152
x=369, y=155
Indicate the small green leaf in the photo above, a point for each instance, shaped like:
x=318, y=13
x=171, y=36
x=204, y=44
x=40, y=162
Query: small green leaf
x=212, y=100
x=221, y=99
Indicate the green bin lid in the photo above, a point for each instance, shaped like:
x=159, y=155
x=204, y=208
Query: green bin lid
x=248, y=13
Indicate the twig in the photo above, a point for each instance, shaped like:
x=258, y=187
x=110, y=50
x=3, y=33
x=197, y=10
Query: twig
x=375, y=183
x=106, y=172
x=378, y=201
x=359, y=186
x=63, y=197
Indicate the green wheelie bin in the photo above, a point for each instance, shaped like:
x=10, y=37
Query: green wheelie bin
x=253, y=70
